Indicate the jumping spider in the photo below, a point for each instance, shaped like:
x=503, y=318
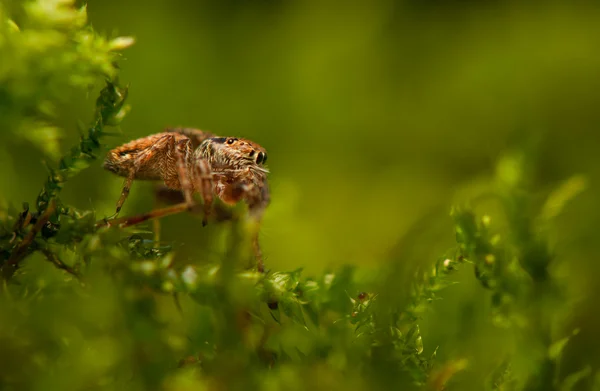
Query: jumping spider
x=193, y=161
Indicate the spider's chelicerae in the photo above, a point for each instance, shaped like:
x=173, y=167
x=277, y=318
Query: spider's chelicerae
x=193, y=161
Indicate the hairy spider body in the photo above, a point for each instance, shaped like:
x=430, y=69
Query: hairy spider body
x=237, y=169
x=149, y=158
x=194, y=161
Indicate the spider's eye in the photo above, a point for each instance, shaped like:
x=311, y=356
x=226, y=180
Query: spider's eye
x=265, y=159
x=231, y=141
x=260, y=158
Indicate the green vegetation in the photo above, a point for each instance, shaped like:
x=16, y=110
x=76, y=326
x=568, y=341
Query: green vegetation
x=479, y=295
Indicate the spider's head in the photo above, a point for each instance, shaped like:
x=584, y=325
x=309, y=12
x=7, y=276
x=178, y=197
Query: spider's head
x=234, y=152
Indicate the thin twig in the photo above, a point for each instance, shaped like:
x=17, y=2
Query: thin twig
x=55, y=260
x=17, y=253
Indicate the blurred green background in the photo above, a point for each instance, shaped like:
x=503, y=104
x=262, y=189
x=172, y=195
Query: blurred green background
x=373, y=114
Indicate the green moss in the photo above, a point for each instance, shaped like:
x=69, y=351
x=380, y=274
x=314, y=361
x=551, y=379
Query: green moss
x=47, y=52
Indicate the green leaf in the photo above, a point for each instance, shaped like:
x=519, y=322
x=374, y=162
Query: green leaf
x=555, y=350
x=575, y=378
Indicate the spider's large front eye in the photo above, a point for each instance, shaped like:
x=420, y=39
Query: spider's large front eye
x=261, y=158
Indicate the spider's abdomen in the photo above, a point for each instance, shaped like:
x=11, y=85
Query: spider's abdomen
x=150, y=158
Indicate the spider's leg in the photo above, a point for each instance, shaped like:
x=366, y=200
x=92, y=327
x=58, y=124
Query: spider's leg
x=124, y=192
x=183, y=172
x=204, y=185
x=153, y=214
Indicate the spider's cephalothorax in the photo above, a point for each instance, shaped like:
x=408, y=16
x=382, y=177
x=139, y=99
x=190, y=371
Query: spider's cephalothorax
x=194, y=161
x=231, y=152
x=237, y=167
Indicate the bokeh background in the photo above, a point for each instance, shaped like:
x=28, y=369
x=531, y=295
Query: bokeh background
x=374, y=113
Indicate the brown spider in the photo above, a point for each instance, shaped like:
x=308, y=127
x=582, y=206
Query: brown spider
x=193, y=161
